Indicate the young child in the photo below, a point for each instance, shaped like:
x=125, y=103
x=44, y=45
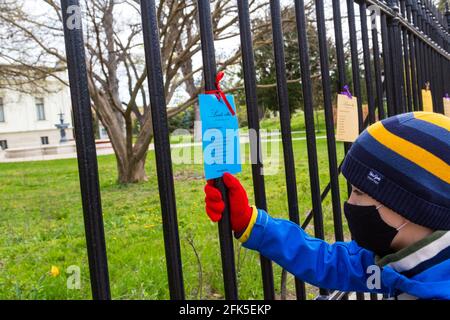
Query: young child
x=398, y=215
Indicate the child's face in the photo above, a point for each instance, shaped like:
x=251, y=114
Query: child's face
x=407, y=235
x=360, y=198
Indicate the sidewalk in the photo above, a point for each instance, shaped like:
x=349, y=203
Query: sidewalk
x=109, y=150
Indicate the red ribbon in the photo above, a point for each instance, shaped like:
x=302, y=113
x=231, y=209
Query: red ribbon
x=219, y=93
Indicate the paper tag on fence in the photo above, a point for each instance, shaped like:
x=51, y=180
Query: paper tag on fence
x=347, y=128
x=427, y=99
x=220, y=132
x=447, y=107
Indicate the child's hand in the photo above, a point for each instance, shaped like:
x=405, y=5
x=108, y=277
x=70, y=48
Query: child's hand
x=240, y=210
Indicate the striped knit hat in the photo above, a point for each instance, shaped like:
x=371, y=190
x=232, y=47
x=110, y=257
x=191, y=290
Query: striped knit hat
x=404, y=163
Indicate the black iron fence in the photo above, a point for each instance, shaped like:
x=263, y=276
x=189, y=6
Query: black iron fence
x=408, y=51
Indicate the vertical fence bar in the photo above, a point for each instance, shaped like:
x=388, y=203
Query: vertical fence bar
x=447, y=47
x=439, y=79
x=418, y=47
x=377, y=66
x=340, y=56
x=209, y=72
x=253, y=125
x=434, y=84
x=367, y=65
x=440, y=93
x=397, y=58
x=337, y=215
x=442, y=77
x=442, y=63
x=86, y=152
x=422, y=50
x=425, y=48
x=342, y=81
x=424, y=45
x=331, y=141
x=430, y=54
x=437, y=84
x=285, y=119
x=355, y=60
x=308, y=107
x=355, y=77
x=438, y=66
x=412, y=52
x=162, y=148
x=387, y=61
x=408, y=106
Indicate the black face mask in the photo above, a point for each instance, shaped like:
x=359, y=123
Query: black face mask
x=368, y=229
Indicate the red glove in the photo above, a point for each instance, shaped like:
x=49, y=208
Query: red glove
x=240, y=210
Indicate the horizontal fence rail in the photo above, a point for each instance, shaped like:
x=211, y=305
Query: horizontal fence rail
x=405, y=50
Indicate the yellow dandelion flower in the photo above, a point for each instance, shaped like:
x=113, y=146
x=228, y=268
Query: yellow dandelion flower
x=54, y=272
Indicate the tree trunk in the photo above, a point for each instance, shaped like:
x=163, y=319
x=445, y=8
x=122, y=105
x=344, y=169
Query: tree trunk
x=197, y=123
x=130, y=159
x=131, y=171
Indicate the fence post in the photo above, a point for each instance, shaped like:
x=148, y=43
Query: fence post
x=412, y=51
x=86, y=151
x=331, y=141
x=422, y=49
x=430, y=55
x=162, y=148
x=418, y=51
x=387, y=61
x=209, y=72
x=377, y=66
x=397, y=57
x=355, y=60
x=342, y=81
x=408, y=106
x=447, y=47
x=285, y=121
x=366, y=58
x=446, y=20
x=248, y=65
x=308, y=107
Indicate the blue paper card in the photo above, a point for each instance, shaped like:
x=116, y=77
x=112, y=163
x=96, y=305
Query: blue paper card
x=220, y=132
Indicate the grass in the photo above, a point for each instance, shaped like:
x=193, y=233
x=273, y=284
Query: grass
x=41, y=225
x=297, y=122
x=269, y=125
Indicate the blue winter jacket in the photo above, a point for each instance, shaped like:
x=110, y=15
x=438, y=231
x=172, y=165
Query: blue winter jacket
x=422, y=271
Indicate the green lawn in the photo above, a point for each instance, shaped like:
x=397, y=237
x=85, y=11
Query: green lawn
x=41, y=226
x=269, y=125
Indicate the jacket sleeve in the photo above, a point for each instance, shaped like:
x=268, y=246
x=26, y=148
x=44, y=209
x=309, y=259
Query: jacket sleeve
x=419, y=287
x=340, y=266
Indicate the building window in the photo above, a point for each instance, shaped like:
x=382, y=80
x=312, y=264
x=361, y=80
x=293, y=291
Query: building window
x=44, y=140
x=3, y=144
x=2, y=111
x=40, y=109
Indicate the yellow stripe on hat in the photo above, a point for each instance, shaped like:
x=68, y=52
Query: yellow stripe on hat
x=434, y=118
x=410, y=151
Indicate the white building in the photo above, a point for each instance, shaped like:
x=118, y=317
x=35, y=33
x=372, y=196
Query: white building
x=28, y=115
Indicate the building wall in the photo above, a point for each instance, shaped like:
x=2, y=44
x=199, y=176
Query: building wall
x=22, y=127
x=33, y=138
